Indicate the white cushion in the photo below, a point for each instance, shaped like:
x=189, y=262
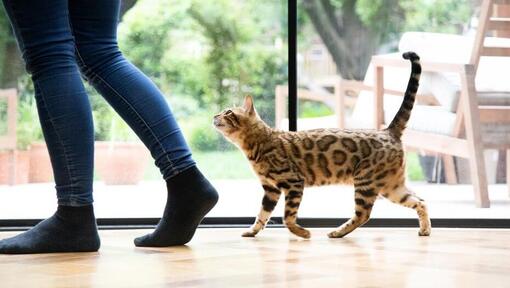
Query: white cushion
x=423, y=118
x=449, y=48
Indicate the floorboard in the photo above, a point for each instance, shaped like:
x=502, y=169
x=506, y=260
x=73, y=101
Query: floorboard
x=369, y=257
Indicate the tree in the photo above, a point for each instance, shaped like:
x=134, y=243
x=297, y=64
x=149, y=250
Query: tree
x=11, y=63
x=353, y=30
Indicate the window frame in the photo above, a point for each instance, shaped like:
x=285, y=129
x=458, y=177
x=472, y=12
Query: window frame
x=237, y=222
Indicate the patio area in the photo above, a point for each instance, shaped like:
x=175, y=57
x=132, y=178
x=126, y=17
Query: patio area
x=242, y=198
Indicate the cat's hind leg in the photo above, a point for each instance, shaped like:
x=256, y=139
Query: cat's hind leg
x=271, y=197
x=404, y=196
x=293, y=197
x=364, y=198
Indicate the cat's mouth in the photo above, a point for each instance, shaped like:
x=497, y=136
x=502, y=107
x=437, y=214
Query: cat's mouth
x=217, y=123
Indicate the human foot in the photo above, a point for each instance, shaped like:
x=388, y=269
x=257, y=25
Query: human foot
x=70, y=229
x=190, y=198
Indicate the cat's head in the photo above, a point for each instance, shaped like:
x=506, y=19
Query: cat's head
x=232, y=122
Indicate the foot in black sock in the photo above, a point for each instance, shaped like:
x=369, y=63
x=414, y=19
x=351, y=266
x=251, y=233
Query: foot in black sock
x=190, y=198
x=70, y=229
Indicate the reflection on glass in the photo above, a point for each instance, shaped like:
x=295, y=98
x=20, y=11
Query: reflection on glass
x=203, y=55
x=337, y=40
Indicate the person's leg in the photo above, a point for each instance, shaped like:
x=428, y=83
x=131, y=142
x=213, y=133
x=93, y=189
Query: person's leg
x=44, y=37
x=143, y=107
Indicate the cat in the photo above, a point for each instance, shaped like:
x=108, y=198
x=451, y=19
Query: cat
x=287, y=162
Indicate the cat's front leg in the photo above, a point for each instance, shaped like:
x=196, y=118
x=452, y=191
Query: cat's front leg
x=293, y=196
x=271, y=196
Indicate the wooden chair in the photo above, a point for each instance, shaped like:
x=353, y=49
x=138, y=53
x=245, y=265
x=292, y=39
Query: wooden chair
x=8, y=141
x=466, y=140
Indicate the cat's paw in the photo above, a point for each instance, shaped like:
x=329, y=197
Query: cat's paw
x=300, y=231
x=249, y=233
x=336, y=234
x=305, y=234
x=424, y=232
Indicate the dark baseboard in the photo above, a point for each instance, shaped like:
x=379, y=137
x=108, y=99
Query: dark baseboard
x=239, y=222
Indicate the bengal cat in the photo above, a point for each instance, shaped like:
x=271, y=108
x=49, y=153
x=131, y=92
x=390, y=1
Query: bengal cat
x=287, y=162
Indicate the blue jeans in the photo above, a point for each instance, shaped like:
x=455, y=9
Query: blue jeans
x=58, y=40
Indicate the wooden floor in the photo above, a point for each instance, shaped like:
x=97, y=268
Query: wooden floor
x=221, y=258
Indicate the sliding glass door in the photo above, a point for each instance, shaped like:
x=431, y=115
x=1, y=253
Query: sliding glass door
x=205, y=56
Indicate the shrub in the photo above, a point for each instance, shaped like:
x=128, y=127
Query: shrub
x=202, y=136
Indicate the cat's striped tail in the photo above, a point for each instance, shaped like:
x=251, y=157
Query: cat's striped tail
x=398, y=124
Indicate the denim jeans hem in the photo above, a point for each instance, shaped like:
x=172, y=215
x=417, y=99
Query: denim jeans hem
x=73, y=202
x=176, y=171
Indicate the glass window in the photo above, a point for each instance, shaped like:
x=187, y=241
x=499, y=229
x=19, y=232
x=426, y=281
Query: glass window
x=336, y=42
x=205, y=56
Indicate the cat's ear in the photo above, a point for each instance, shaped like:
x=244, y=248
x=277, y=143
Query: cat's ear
x=248, y=105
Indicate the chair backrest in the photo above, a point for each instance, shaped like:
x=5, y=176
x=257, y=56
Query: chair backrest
x=8, y=140
x=494, y=21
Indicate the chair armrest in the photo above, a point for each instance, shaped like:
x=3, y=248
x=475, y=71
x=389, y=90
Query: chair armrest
x=430, y=66
x=391, y=60
x=337, y=101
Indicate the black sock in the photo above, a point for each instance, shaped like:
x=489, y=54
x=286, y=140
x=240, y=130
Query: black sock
x=70, y=229
x=190, y=198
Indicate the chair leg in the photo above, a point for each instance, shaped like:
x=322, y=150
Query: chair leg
x=340, y=105
x=508, y=170
x=11, y=170
x=449, y=170
x=473, y=135
x=279, y=106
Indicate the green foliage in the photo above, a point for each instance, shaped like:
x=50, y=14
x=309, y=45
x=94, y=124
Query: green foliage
x=222, y=57
x=6, y=37
x=202, y=136
x=265, y=69
x=388, y=19
x=143, y=33
x=228, y=165
x=102, y=114
x=3, y=116
x=446, y=16
x=108, y=125
x=311, y=109
x=28, y=129
x=204, y=59
x=207, y=55
x=413, y=167
x=242, y=58
x=384, y=17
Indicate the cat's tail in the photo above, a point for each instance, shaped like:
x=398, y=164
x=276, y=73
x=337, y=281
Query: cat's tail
x=398, y=124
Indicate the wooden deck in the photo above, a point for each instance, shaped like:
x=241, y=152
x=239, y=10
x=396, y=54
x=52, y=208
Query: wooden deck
x=370, y=257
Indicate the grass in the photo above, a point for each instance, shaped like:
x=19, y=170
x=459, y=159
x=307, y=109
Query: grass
x=224, y=164
x=233, y=165
x=230, y=164
x=414, y=171
x=311, y=109
x=3, y=117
